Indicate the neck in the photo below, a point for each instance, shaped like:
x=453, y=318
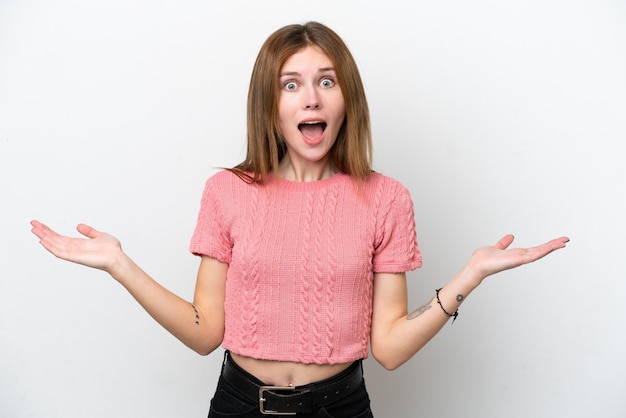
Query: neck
x=311, y=171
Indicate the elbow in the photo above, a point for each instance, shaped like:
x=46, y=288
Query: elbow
x=389, y=364
x=202, y=351
x=387, y=358
x=204, y=348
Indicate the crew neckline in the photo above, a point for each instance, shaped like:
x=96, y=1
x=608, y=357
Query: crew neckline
x=293, y=185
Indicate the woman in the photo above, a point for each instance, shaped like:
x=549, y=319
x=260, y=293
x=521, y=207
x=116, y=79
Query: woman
x=303, y=247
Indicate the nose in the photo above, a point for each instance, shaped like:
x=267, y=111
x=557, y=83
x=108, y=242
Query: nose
x=312, y=99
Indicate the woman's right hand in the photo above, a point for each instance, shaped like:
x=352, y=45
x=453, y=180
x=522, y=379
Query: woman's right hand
x=199, y=325
x=100, y=250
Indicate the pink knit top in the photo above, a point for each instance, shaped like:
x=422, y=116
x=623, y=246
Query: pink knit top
x=301, y=260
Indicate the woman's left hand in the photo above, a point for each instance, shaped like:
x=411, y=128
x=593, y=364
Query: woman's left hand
x=490, y=260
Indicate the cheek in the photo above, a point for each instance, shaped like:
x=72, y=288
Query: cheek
x=285, y=110
x=340, y=109
x=283, y=118
x=341, y=115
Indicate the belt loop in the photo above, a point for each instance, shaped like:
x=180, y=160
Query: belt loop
x=225, y=361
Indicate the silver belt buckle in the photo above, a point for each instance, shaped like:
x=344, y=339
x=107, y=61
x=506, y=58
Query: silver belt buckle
x=264, y=389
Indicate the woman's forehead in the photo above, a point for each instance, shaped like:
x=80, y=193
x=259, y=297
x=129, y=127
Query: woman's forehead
x=306, y=57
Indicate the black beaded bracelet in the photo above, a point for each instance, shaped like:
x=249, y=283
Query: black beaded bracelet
x=455, y=314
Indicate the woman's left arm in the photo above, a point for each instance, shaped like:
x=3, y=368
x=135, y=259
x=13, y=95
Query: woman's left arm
x=397, y=335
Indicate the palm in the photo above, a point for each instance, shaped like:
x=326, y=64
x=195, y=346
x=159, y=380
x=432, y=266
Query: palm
x=99, y=250
x=497, y=258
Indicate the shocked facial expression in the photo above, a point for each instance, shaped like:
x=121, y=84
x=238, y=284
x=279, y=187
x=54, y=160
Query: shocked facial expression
x=311, y=108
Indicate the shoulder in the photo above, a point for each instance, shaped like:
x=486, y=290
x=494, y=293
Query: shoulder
x=381, y=178
x=224, y=188
x=224, y=180
x=385, y=185
x=224, y=176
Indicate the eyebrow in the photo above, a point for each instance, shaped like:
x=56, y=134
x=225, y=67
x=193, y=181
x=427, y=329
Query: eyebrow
x=320, y=71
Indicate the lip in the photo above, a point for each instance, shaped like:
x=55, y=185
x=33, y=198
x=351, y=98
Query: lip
x=312, y=120
x=317, y=139
x=324, y=124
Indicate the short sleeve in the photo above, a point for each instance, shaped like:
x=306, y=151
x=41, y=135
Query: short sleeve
x=211, y=237
x=396, y=249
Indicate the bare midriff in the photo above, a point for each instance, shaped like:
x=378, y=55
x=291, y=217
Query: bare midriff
x=284, y=373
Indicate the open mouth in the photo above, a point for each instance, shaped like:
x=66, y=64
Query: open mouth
x=312, y=129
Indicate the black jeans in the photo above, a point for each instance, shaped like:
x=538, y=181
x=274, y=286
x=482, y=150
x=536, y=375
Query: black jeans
x=229, y=402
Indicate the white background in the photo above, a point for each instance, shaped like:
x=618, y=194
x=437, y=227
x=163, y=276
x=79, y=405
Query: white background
x=498, y=116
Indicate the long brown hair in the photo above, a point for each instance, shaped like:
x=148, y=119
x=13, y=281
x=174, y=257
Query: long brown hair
x=352, y=152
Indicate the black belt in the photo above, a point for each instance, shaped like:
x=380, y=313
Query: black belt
x=290, y=400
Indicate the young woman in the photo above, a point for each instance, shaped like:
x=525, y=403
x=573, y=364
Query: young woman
x=303, y=247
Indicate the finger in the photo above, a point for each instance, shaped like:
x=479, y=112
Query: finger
x=554, y=244
x=536, y=253
x=505, y=241
x=87, y=231
x=559, y=242
x=37, y=226
x=50, y=240
x=40, y=229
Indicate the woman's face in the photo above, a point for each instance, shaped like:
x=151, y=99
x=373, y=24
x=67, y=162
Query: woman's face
x=311, y=108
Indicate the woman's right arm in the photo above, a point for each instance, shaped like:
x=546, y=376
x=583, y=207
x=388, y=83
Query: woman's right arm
x=199, y=325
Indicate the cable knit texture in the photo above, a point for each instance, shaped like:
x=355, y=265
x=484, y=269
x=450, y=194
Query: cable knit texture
x=301, y=260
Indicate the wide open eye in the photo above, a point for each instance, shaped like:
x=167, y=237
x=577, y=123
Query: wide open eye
x=290, y=86
x=327, y=82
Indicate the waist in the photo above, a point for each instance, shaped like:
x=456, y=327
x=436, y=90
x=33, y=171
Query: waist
x=302, y=398
x=287, y=373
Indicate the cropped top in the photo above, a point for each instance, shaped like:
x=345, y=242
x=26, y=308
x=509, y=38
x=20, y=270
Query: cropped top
x=301, y=260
